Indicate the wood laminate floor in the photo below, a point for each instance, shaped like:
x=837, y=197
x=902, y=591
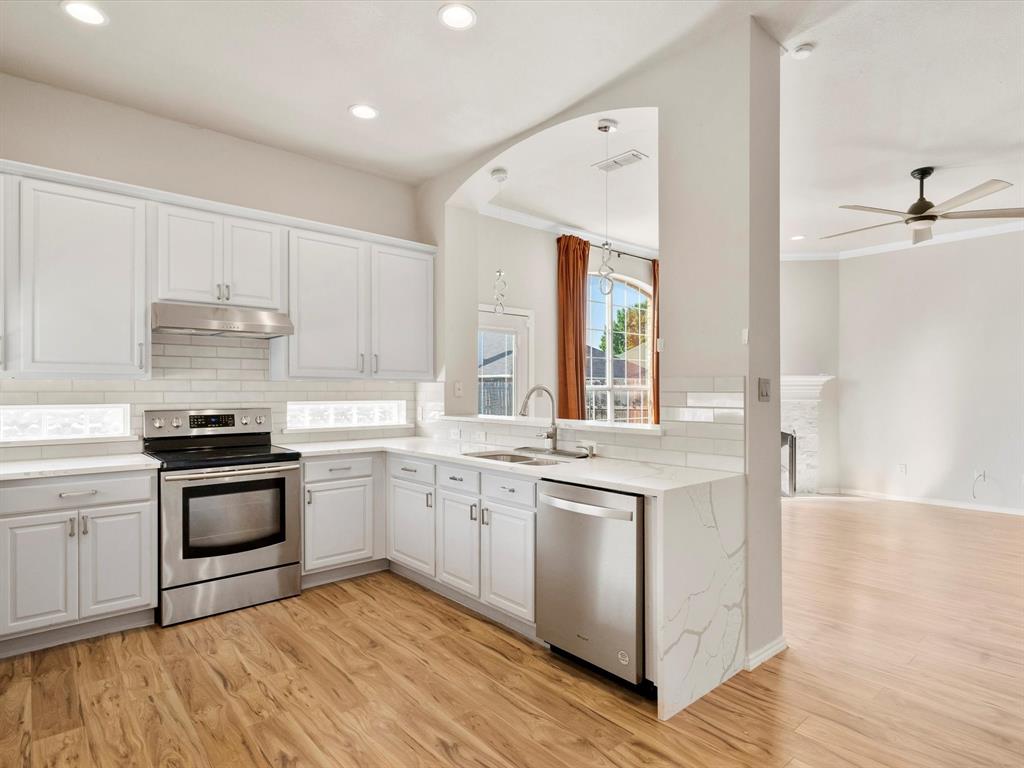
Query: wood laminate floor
x=906, y=649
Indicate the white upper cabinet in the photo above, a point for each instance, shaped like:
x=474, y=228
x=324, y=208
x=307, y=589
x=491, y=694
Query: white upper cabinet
x=211, y=258
x=328, y=283
x=252, y=263
x=82, y=282
x=403, y=314
x=190, y=254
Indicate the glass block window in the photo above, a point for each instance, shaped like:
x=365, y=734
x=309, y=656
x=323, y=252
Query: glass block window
x=617, y=365
x=342, y=414
x=19, y=423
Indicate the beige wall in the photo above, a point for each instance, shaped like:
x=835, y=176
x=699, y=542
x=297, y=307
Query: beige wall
x=60, y=129
x=931, y=371
x=809, y=315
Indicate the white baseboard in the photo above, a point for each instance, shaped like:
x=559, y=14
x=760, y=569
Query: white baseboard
x=765, y=652
x=69, y=634
x=935, y=502
x=318, y=578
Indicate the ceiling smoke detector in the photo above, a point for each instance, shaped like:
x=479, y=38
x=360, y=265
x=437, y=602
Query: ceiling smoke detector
x=500, y=175
x=607, y=125
x=803, y=51
x=620, y=161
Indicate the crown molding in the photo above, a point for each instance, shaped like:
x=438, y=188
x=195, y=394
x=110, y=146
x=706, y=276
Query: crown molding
x=802, y=387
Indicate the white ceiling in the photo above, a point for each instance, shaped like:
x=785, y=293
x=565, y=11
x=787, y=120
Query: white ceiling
x=551, y=176
x=285, y=73
x=892, y=87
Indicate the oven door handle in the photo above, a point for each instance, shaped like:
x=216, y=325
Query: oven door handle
x=233, y=473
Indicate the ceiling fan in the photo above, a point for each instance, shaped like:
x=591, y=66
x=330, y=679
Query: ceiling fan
x=922, y=214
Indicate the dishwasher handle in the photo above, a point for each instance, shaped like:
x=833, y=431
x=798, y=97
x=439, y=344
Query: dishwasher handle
x=593, y=510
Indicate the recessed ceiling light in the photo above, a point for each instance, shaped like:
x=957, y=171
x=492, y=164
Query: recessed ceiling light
x=797, y=237
x=803, y=51
x=87, y=13
x=457, y=16
x=363, y=111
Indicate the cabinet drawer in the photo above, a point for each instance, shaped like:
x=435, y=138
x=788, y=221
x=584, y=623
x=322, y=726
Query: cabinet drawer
x=75, y=492
x=341, y=468
x=410, y=469
x=458, y=478
x=510, y=489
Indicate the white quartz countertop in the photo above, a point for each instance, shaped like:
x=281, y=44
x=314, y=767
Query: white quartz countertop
x=614, y=474
x=78, y=465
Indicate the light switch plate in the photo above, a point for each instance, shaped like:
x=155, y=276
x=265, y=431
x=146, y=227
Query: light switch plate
x=764, y=390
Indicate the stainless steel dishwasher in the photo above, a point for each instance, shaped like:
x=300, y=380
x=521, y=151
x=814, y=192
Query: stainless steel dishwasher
x=590, y=576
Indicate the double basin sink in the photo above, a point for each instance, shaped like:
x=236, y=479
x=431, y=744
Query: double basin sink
x=530, y=457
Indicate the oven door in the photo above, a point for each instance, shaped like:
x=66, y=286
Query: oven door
x=221, y=522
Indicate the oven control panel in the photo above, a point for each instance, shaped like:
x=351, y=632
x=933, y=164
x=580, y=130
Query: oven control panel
x=200, y=423
x=211, y=420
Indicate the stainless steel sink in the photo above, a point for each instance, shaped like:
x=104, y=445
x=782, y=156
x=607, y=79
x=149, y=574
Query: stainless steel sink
x=514, y=458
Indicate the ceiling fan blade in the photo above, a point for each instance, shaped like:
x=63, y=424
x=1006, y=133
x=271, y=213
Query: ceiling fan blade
x=975, y=193
x=862, y=229
x=920, y=235
x=869, y=209
x=991, y=213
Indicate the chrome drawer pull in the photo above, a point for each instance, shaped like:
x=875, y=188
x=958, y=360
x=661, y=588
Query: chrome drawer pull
x=456, y=479
x=472, y=511
x=507, y=489
x=430, y=500
x=339, y=469
x=74, y=494
x=409, y=469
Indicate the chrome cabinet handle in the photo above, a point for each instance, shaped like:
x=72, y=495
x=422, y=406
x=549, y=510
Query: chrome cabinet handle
x=410, y=469
x=231, y=473
x=455, y=478
x=376, y=363
x=508, y=489
x=74, y=494
x=338, y=469
x=309, y=497
x=472, y=511
x=71, y=527
x=362, y=362
x=142, y=355
x=227, y=288
x=85, y=525
x=430, y=501
x=483, y=516
x=220, y=292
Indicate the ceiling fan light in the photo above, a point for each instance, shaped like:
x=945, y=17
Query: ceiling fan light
x=920, y=224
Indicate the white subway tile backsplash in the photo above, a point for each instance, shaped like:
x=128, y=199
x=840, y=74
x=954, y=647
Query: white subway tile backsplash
x=714, y=399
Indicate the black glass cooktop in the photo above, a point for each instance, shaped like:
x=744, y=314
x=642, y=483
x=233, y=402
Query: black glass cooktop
x=222, y=456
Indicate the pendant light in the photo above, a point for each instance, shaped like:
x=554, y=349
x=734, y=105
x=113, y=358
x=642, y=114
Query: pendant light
x=606, y=126
x=500, y=175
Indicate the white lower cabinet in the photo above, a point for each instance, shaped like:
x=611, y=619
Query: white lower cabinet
x=458, y=542
x=39, y=554
x=411, y=529
x=338, y=523
x=507, y=561
x=116, y=558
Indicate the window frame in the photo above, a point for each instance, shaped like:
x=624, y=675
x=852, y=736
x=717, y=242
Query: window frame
x=647, y=291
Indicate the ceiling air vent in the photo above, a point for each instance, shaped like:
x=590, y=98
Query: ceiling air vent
x=620, y=161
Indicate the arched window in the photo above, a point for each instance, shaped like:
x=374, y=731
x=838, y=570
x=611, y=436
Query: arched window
x=618, y=354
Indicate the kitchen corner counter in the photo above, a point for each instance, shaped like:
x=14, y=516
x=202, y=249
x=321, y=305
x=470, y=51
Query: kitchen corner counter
x=77, y=465
x=614, y=474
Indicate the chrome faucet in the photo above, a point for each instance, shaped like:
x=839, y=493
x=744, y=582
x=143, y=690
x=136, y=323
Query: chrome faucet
x=552, y=433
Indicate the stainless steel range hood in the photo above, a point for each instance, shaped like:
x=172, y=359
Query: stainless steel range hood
x=206, y=320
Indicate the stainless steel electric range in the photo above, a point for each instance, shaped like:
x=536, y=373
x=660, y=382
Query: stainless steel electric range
x=230, y=531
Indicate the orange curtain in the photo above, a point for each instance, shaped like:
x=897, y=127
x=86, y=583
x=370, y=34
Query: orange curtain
x=573, y=253
x=655, y=335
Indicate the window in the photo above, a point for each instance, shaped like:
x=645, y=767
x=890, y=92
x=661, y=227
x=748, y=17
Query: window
x=502, y=361
x=618, y=354
x=63, y=422
x=345, y=414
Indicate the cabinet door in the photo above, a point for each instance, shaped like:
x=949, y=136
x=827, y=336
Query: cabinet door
x=338, y=523
x=328, y=303
x=458, y=542
x=252, y=263
x=411, y=525
x=403, y=314
x=190, y=254
x=83, y=260
x=507, y=541
x=38, y=570
x=117, y=558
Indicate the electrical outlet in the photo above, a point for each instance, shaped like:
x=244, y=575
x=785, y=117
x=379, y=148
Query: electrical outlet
x=902, y=469
x=980, y=475
x=458, y=389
